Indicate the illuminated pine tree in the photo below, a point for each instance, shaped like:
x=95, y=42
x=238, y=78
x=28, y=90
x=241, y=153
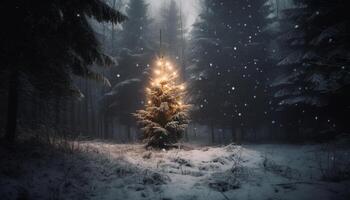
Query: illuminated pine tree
x=165, y=117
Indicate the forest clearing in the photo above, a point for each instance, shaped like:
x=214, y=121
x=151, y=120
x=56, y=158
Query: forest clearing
x=102, y=170
x=174, y=100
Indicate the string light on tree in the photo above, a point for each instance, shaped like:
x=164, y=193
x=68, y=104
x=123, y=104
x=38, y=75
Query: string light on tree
x=165, y=116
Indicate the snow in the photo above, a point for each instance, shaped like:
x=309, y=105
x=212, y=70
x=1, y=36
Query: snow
x=293, y=58
x=328, y=33
x=310, y=100
x=124, y=85
x=101, y=170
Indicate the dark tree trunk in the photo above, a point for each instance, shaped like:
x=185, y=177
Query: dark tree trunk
x=186, y=135
x=34, y=111
x=129, y=133
x=255, y=131
x=238, y=135
x=12, y=107
x=105, y=127
x=58, y=114
x=100, y=126
x=86, y=108
x=223, y=136
x=93, y=113
x=111, y=132
x=233, y=133
x=212, y=133
x=195, y=131
x=72, y=120
x=65, y=116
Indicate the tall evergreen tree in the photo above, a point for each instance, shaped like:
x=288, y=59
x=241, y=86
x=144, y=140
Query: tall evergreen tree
x=165, y=116
x=230, y=58
x=172, y=30
x=313, y=83
x=47, y=42
x=135, y=55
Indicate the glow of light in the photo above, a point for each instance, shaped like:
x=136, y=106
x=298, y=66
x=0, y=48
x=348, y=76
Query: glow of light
x=157, y=72
x=159, y=63
x=182, y=87
x=180, y=103
x=149, y=102
x=174, y=73
x=170, y=67
x=167, y=64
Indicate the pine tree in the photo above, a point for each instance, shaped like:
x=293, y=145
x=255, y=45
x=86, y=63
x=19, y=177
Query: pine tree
x=312, y=86
x=135, y=52
x=229, y=54
x=165, y=116
x=136, y=31
x=171, y=27
x=53, y=42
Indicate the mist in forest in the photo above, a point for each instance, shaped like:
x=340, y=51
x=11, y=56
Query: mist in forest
x=174, y=99
x=190, y=10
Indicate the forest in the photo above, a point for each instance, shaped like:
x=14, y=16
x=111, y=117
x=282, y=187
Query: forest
x=174, y=99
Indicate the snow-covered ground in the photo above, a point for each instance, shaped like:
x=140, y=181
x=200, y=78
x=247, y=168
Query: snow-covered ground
x=110, y=171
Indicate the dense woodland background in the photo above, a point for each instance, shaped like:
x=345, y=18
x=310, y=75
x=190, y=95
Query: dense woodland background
x=257, y=70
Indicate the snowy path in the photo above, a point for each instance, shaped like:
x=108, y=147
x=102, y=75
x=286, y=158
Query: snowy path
x=231, y=172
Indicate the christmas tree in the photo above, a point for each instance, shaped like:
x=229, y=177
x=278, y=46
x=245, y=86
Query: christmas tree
x=165, y=116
